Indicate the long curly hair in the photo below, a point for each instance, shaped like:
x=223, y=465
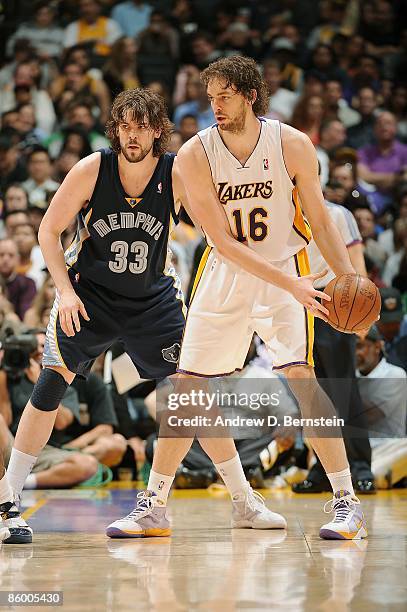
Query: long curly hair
x=240, y=73
x=144, y=106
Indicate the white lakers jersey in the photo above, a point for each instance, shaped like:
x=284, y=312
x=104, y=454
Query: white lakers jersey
x=259, y=198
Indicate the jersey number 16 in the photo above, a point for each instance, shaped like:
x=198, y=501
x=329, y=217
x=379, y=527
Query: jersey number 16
x=258, y=230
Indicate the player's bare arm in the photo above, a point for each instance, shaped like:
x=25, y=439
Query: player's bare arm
x=70, y=198
x=357, y=258
x=207, y=210
x=302, y=166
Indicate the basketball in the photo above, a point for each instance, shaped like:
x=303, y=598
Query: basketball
x=355, y=303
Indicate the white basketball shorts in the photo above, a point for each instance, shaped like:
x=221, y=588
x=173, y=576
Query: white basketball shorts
x=228, y=305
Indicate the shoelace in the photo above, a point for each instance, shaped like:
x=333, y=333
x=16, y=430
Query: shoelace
x=144, y=504
x=341, y=506
x=255, y=500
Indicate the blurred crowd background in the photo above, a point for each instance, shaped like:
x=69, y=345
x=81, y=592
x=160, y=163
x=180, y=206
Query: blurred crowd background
x=335, y=69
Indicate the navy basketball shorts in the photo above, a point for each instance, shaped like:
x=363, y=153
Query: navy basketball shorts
x=150, y=330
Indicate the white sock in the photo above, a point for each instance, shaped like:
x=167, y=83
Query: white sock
x=160, y=484
x=19, y=466
x=341, y=481
x=6, y=493
x=31, y=482
x=232, y=474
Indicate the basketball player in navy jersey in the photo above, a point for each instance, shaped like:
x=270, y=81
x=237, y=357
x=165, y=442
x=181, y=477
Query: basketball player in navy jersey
x=113, y=283
x=254, y=277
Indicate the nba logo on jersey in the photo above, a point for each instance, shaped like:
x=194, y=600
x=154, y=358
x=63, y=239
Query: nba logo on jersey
x=159, y=188
x=265, y=164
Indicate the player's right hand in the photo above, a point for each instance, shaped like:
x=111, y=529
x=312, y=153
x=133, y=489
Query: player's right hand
x=69, y=308
x=302, y=288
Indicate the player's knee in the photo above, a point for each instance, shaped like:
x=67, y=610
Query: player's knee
x=119, y=442
x=83, y=466
x=49, y=390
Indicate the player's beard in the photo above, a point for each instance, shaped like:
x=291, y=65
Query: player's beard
x=135, y=156
x=235, y=125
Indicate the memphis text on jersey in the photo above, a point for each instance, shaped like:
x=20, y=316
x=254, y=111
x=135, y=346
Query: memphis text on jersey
x=129, y=220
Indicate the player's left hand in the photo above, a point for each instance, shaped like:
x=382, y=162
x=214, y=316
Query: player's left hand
x=302, y=288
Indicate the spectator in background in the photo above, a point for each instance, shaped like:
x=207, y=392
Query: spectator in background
x=383, y=390
x=30, y=134
x=204, y=50
x=345, y=175
x=398, y=106
x=240, y=40
x=94, y=433
x=13, y=219
x=44, y=35
x=75, y=84
x=284, y=52
x=31, y=263
x=308, y=115
x=12, y=169
x=63, y=164
x=44, y=110
x=55, y=467
x=188, y=127
x=39, y=180
x=380, y=33
x=366, y=74
x=132, y=16
x=354, y=48
x=199, y=108
x=333, y=16
x=361, y=134
x=314, y=84
x=386, y=238
x=23, y=51
x=366, y=223
x=8, y=318
x=389, y=325
x=120, y=71
x=157, y=54
x=15, y=198
x=36, y=214
x=324, y=61
x=43, y=300
x=332, y=136
x=77, y=114
x=382, y=164
x=282, y=100
x=336, y=106
x=392, y=267
x=20, y=289
x=101, y=32
x=76, y=141
x=81, y=54
x=176, y=141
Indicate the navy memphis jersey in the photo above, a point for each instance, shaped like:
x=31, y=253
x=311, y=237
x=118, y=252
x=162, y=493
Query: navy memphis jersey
x=121, y=242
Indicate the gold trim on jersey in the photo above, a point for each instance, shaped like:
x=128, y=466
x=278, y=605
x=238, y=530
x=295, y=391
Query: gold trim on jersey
x=200, y=270
x=300, y=224
x=304, y=269
x=133, y=201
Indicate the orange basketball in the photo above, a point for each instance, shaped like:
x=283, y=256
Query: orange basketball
x=355, y=303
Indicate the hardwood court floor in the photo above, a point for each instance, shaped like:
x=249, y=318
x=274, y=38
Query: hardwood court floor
x=205, y=566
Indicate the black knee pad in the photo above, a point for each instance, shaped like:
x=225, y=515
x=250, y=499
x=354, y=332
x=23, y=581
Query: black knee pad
x=49, y=390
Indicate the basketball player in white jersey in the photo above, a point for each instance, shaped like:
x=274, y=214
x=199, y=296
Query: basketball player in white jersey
x=242, y=178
